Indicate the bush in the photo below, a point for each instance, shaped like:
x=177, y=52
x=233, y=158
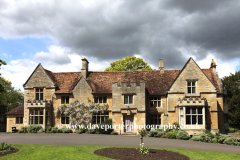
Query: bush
x=54, y=130
x=6, y=146
x=209, y=133
x=222, y=138
x=66, y=130
x=177, y=126
x=231, y=141
x=101, y=128
x=172, y=134
x=195, y=138
x=142, y=132
x=205, y=137
x=33, y=128
x=40, y=131
x=151, y=133
x=49, y=129
x=158, y=134
x=214, y=140
x=81, y=130
x=91, y=131
x=182, y=134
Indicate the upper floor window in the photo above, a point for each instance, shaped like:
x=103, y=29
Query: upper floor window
x=191, y=87
x=65, y=100
x=155, y=101
x=39, y=94
x=128, y=99
x=100, y=99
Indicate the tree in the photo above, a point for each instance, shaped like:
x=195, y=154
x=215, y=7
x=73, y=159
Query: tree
x=79, y=112
x=9, y=98
x=128, y=64
x=2, y=63
x=232, y=85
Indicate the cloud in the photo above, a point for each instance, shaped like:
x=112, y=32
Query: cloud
x=6, y=55
x=56, y=55
x=106, y=31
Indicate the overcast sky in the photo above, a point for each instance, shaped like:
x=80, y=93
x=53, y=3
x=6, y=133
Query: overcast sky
x=57, y=33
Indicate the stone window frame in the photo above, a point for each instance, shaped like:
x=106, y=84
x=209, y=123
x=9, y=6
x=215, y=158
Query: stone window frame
x=65, y=119
x=153, y=117
x=128, y=99
x=19, y=120
x=102, y=117
x=39, y=91
x=36, y=116
x=158, y=101
x=191, y=114
x=65, y=99
x=97, y=99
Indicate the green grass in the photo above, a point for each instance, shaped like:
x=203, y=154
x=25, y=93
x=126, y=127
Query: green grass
x=38, y=151
x=235, y=129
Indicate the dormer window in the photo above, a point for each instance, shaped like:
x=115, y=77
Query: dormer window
x=191, y=86
x=39, y=94
x=65, y=100
x=155, y=101
x=100, y=99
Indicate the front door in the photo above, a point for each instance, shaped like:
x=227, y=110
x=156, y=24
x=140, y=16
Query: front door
x=128, y=123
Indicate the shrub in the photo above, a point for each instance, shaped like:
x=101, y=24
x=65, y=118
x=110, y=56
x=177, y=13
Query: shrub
x=151, y=133
x=231, y=141
x=177, y=126
x=195, y=138
x=33, y=128
x=205, y=137
x=142, y=132
x=40, y=131
x=172, y=134
x=91, y=131
x=81, y=130
x=214, y=140
x=49, y=128
x=20, y=131
x=209, y=133
x=222, y=138
x=6, y=146
x=158, y=134
x=54, y=130
x=101, y=127
x=23, y=130
x=66, y=130
x=182, y=134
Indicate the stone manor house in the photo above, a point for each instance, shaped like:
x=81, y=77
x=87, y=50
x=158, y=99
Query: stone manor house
x=190, y=96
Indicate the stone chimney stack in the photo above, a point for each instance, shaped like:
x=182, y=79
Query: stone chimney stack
x=161, y=64
x=213, y=66
x=140, y=68
x=84, y=70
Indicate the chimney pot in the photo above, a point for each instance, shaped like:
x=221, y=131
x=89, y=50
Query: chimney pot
x=161, y=64
x=84, y=70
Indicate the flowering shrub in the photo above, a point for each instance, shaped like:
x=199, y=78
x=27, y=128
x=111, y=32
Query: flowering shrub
x=143, y=150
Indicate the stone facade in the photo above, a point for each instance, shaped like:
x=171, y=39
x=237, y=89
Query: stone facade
x=135, y=98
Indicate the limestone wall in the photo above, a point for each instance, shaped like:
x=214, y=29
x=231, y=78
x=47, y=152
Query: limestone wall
x=11, y=122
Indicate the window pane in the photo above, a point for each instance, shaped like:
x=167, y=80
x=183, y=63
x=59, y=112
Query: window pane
x=36, y=120
x=159, y=103
x=104, y=99
x=125, y=99
x=193, y=110
x=194, y=119
x=31, y=112
x=155, y=121
x=151, y=98
x=94, y=120
x=188, y=119
x=187, y=110
x=17, y=120
x=159, y=121
x=199, y=110
x=106, y=113
x=21, y=120
x=182, y=120
x=189, y=90
x=46, y=113
x=151, y=104
x=193, y=90
x=40, y=119
x=200, y=119
x=63, y=120
x=46, y=120
x=30, y=120
x=102, y=119
x=41, y=90
x=189, y=83
x=100, y=99
x=41, y=112
x=36, y=112
x=67, y=99
x=181, y=111
x=155, y=98
x=96, y=99
x=193, y=83
x=37, y=90
x=130, y=99
x=62, y=99
x=98, y=119
x=155, y=103
x=152, y=121
x=37, y=96
x=67, y=120
x=41, y=96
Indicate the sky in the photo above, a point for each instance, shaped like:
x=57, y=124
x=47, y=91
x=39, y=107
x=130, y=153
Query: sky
x=58, y=34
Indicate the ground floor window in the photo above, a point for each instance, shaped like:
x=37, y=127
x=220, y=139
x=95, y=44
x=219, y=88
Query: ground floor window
x=155, y=119
x=99, y=117
x=194, y=115
x=36, y=116
x=64, y=119
x=19, y=120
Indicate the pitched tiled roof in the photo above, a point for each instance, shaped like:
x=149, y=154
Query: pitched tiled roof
x=17, y=110
x=156, y=82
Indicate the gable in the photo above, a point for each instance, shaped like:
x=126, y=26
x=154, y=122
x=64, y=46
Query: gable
x=39, y=78
x=192, y=72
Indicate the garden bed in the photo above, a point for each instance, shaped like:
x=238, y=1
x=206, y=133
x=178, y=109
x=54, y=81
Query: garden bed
x=13, y=150
x=132, y=153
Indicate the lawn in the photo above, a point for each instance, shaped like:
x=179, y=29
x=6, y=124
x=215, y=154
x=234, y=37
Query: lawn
x=234, y=129
x=38, y=151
